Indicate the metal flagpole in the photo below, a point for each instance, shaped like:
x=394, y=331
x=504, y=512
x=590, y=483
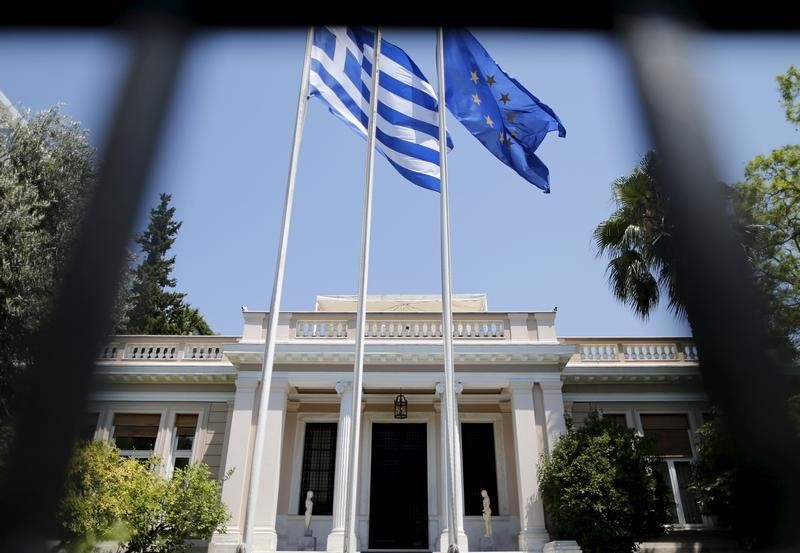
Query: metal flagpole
x=447, y=314
x=361, y=316
x=275, y=308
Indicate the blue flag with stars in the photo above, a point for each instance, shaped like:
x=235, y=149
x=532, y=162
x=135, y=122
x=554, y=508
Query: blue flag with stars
x=498, y=111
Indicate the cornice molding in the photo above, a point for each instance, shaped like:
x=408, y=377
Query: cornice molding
x=593, y=397
x=404, y=353
x=162, y=396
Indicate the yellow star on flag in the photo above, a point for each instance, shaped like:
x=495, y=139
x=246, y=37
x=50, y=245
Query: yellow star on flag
x=504, y=98
x=489, y=120
x=490, y=80
x=510, y=116
x=473, y=76
x=502, y=138
x=476, y=99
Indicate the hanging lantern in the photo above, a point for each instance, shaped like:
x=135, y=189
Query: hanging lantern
x=400, y=407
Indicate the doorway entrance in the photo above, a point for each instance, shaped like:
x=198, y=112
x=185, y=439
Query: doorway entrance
x=398, y=512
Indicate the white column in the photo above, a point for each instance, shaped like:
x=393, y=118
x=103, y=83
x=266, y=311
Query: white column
x=533, y=534
x=265, y=536
x=553, y=400
x=458, y=475
x=343, y=430
x=237, y=458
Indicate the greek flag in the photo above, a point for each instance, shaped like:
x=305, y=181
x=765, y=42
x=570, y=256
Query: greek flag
x=407, y=125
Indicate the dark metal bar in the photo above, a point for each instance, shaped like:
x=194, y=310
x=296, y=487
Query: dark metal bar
x=741, y=374
x=598, y=15
x=56, y=387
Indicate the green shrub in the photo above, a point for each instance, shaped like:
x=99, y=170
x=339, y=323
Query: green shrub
x=110, y=497
x=600, y=487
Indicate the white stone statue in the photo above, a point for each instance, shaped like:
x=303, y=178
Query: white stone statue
x=309, y=508
x=487, y=514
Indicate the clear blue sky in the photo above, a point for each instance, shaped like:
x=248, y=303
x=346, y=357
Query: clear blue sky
x=225, y=152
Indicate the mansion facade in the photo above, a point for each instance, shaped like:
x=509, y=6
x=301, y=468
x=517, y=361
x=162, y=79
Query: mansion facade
x=195, y=398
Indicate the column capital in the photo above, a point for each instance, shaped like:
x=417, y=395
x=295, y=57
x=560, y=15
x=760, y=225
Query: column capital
x=551, y=385
x=521, y=384
x=344, y=386
x=458, y=388
x=244, y=381
x=279, y=385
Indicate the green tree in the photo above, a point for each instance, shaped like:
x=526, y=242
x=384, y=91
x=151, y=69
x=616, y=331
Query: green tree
x=637, y=240
x=110, y=497
x=47, y=170
x=600, y=487
x=767, y=203
x=156, y=307
x=713, y=476
x=721, y=489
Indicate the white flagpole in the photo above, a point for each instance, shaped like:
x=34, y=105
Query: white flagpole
x=451, y=420
x=275, y=308
x=361, y=316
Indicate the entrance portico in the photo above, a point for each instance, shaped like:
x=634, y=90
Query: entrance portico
x=504, y=372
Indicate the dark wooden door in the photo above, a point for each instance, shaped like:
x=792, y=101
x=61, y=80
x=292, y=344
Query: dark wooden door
x=398, y=505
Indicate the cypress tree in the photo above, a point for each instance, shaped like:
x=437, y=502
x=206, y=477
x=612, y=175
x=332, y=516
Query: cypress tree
x=156, y=307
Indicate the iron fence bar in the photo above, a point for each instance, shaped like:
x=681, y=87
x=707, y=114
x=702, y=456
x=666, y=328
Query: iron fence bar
x=742, y=374
x=54, y=390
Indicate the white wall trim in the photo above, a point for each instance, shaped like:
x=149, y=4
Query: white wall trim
x=581, y=397
x=409, y=381
x=162, y=396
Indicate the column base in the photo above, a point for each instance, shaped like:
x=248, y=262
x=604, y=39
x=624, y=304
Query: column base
x=461, y=539
x=225, y=543
x=264, y=541
x=336, y=542
x=532, y=541
x=562, y=546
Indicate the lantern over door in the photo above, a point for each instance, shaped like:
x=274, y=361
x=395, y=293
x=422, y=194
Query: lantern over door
x=400, y=407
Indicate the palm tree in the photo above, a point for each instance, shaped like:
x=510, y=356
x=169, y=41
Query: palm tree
x=637, y=240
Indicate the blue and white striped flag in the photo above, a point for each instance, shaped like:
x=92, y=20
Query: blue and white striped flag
x=407, y=126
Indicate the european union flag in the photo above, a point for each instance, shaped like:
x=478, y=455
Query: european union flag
x=507, y=119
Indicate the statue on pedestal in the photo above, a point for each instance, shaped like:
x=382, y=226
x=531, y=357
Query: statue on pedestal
x=308, y=542
x=309, y=509
x=487, y=514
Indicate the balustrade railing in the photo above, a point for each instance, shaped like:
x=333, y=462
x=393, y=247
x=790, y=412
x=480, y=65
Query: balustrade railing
x=321, y=329
x=636, y=352
x=598, y=352
x=203, y=351
x=393, y=328
x=159, y=352
x=690, y=352
x=188, y=351
x=109, y=351
x=650, y=352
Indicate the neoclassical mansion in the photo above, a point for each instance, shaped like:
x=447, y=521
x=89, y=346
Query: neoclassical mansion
x=194, y=398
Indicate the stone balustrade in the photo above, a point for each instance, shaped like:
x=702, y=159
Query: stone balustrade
x=321, y=328
x=650, y=352
x=155, y=352
x=598, y=352
x=174, y=349
x=632, y=351
x=385, y=328
x=398, y=328
x=537, y=326
x=203, y=351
